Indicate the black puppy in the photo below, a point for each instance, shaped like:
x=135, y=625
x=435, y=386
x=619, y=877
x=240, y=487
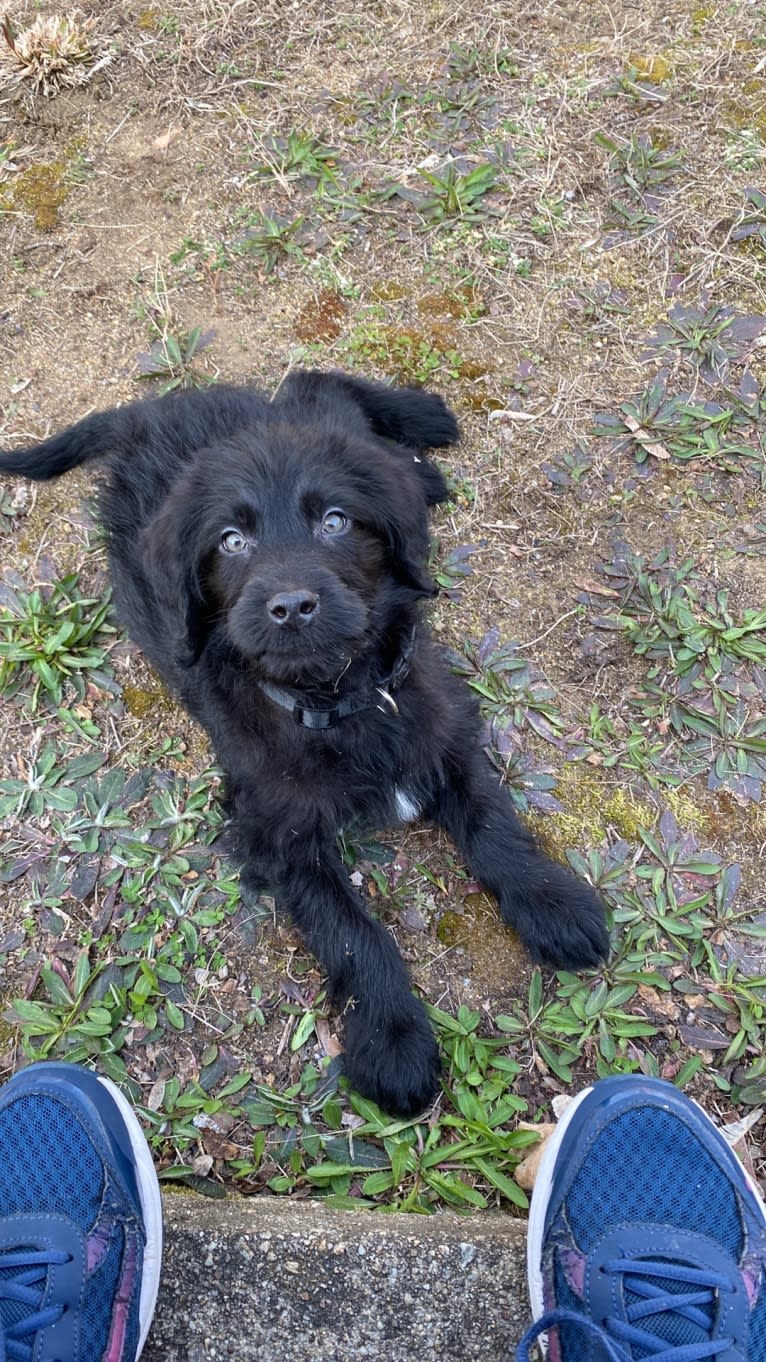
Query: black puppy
x=270, y=558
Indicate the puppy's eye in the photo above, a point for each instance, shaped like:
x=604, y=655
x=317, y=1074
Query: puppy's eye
x=234, y=542
x=334, y=522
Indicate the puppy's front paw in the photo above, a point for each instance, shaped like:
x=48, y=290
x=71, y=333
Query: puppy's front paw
x=393, y=1060
x=560, y=919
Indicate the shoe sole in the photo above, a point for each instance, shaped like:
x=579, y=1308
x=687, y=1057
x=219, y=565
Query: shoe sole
x=544, y=1183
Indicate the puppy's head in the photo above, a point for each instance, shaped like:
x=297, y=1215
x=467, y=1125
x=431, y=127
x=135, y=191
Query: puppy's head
x=306, y=537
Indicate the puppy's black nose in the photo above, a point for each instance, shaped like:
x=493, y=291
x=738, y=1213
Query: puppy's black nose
x=296, y=608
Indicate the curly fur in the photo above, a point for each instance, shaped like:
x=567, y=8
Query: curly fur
x=184, y=469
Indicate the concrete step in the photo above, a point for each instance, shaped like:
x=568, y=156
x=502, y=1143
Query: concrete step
x=273, y=1280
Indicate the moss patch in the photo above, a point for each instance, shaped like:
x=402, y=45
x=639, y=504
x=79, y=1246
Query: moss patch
x=593, y=806
x=654, y=69
x=140, y=702
x=41, y=190
x=495, y=954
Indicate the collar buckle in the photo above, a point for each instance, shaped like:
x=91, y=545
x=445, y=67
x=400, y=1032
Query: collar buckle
x=315, y=718
x=322, y=719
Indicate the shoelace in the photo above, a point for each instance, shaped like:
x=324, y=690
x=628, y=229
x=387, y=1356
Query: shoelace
x=27, y=1288
x=639, y=1280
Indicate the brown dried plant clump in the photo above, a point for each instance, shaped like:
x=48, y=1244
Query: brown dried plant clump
x=54, y=52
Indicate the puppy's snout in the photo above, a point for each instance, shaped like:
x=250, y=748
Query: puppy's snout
x=293, y=608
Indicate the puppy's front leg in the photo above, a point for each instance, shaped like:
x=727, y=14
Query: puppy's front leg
x=559, y=918
x=391, y=1054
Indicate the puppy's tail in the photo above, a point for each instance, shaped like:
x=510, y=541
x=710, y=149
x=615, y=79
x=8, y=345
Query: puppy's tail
x=90, y=438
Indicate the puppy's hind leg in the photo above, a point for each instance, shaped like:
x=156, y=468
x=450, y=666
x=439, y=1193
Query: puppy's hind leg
x=559, y=918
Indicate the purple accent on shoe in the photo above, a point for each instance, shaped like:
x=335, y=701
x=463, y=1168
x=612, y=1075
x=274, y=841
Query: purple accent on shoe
x=97, y=1246
x=754, y=1255
x=574, y=1265
x=111, y=1218
x=123, y=1300
x=751, y=1287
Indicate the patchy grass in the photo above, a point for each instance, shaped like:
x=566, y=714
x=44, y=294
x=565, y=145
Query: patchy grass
x=564, y=231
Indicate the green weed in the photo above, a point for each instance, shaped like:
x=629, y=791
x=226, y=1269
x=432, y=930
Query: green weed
x=271, y=239
x=51, y=636
x=298, y=155
x=722, y=434
x=638, y=164
x=465, y=1153
x=170, y=361
x=707, y=337
x=507, y=685
x=407, y=355
x=753, y=217
x=465, y=62
x=455, y=193
x=668, y=622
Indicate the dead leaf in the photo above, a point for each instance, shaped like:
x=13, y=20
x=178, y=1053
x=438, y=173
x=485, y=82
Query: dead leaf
x=156, y=1094
x=507, y=415
x=328, y=1040
x=662, y=1004
x=734, y=1132
x=596, y=588
x=526, y=1172
x=293, y=992
x=642, y=437
x=412, y=918
x=560, y=1101
x=219, y=1147
x=162, y=142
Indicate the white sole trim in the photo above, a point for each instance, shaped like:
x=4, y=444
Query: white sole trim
x=541, y=1195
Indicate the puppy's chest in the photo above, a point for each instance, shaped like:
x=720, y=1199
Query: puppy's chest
x=374, y=782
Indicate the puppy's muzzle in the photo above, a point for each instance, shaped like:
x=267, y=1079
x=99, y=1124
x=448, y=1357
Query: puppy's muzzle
x=293, y=609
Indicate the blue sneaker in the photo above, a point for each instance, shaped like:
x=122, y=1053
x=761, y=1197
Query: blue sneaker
x=80, y=1220
x=647, y=1238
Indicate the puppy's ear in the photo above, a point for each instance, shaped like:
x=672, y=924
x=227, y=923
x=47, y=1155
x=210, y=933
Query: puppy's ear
x=410, y=565
x=394, y=502
x=170, y=559
x=411, y=417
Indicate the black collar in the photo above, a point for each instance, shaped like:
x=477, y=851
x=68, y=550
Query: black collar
x=310, y=712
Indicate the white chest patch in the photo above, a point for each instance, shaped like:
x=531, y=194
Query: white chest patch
x=406, y=807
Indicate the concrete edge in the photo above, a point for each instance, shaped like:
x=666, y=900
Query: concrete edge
x=280, y=1280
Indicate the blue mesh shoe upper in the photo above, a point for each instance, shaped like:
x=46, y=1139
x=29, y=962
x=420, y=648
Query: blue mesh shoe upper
x=71, y=1231
x=653, y=1242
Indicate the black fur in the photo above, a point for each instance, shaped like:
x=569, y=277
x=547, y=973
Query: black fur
x=184, y=468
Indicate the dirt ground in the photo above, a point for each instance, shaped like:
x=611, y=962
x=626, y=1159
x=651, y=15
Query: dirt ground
x=537, y=209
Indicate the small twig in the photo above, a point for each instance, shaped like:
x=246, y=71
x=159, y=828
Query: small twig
x=555, y=625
